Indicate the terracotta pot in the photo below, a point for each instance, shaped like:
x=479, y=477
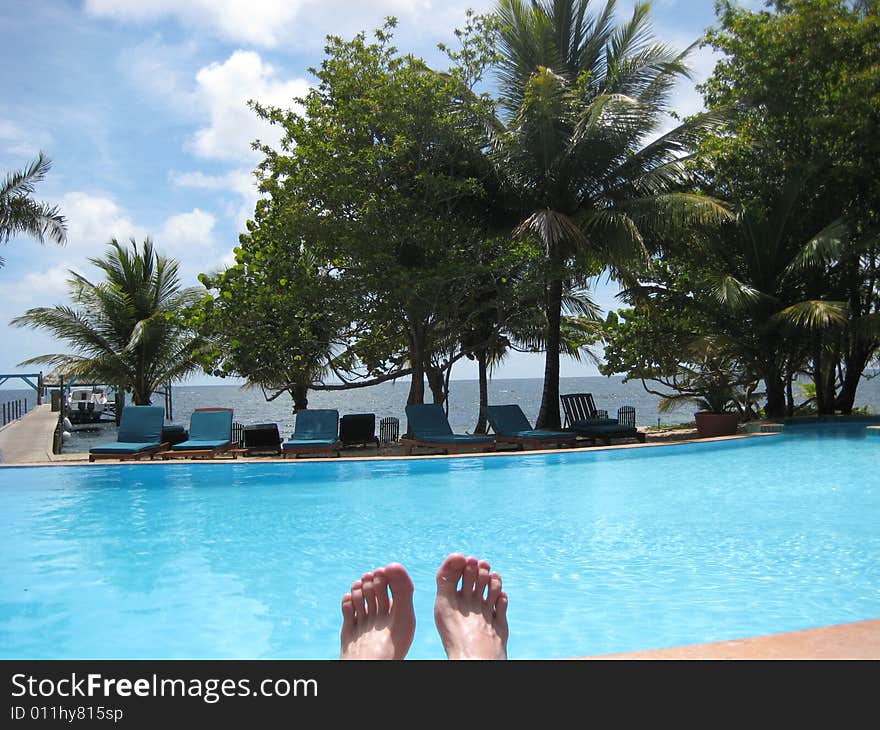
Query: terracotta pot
x=710, y=425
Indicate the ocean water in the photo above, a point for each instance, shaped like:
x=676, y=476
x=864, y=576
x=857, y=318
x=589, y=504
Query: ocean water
x=389, y=399
x=600, y=551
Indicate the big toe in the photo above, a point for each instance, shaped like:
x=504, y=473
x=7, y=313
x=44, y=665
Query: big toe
x=450, y=574
x=401, y=586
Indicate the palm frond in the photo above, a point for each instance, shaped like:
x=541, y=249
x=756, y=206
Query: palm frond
x=734, y=294
x=21, y=215
x=823, y=249
x=815, y=314
x=555, y=230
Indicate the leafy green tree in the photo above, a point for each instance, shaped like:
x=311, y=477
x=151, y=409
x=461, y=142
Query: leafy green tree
x=127, y=330
x=382, y=178
x=801, y=80
x=19, y=214
x=580, y=97
x=278, y=317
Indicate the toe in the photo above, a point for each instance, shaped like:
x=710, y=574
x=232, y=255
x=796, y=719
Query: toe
x=501, y=617
x=369, y=594
x=357, y=599
x=347, y=613
x=401, y=586
x=380, y=584
x=449, y=574
x=469, y=577
x=483, y=569
x=494, y=589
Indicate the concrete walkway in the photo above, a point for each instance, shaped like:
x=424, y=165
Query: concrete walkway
x=29, y=439
x=859, y=640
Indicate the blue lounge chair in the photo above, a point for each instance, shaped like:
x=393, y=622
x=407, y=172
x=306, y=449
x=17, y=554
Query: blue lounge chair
x=140, y=434
x=511, y=426
x=428, y=426
x=316, y=432
x=210, y=433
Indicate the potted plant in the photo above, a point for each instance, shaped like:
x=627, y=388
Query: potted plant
x=718, y=413
x=717, y=386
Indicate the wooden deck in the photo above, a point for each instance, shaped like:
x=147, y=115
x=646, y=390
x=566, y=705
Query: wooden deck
x=29, y=439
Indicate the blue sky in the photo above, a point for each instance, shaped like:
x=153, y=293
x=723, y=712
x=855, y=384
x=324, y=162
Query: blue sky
x=141, y=105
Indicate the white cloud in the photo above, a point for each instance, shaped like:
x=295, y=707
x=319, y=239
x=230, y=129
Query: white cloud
x=92, y=220
x=240, y=183
x=187, y=230
x=15, y=142
x=258, y=22
x=272, y=23
x=224, y=90
x=48, y=287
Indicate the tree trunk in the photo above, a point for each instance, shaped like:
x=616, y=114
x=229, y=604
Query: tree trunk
x=417, y=381
x=855, y=362
x=300, y=395
x=548, y=416
x=437, y=383
x=775, y=389
x=482, y=425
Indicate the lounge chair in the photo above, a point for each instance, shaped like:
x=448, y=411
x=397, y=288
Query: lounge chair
x=210, y=434
x=358, y=429
x=428, y=426
x=262, y=438
x=582, y=417
x=316, y=432
x=582, y=407
x=140, y=434
x=511, y=426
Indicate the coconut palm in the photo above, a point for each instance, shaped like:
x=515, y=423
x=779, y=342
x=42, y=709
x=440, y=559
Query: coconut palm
x=126, y=330
x=582, y=98
x=21, y=215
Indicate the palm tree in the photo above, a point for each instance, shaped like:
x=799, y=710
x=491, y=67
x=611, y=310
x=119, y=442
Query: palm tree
x=21, y=215
x=126, y=330
x=800, y=295
x=583, y=98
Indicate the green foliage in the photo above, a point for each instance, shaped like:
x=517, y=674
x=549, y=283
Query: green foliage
x=580, y=96
x=680, y=343
x=379, y=217
x=128, y=330
x=802, y=81
x=20, y=214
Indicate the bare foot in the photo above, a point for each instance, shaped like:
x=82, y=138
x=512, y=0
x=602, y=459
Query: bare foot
x=375, y=626
x=471, y=626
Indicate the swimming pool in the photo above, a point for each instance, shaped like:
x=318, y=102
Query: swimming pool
x=600, y=551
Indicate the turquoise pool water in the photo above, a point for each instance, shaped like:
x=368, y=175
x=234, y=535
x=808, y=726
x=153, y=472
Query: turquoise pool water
x=600, y=551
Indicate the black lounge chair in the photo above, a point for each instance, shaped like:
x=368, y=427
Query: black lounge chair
x=261, y=438
x=582, y=407
x=358, y=429
x=582, y=417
